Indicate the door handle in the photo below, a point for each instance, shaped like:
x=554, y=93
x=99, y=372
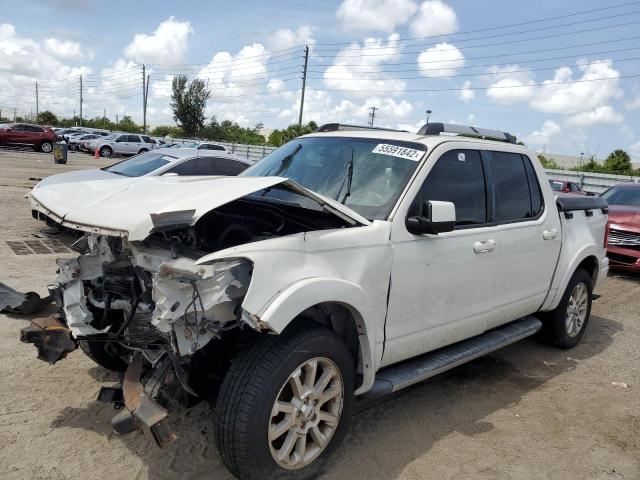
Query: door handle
x=550, y=234
x=485, y=246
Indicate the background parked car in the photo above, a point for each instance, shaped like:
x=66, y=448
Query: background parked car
x=125, y=144
x=623, y=247
x=40, y=138
x=566, y=187
x=74, y=141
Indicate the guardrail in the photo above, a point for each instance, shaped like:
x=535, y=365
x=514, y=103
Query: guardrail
x=252, y=152
x=590, y=181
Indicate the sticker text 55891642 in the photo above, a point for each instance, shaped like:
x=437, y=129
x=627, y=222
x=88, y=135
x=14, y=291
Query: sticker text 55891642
x=398, y=151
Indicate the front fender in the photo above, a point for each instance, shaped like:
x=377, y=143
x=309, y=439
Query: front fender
x=296, y=298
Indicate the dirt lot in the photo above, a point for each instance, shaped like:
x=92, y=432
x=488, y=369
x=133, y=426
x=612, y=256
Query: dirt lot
x=529, y=411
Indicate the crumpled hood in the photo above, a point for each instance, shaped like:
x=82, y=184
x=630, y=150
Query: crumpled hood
x=78, y=176
x=625, y=217
x=125, y=206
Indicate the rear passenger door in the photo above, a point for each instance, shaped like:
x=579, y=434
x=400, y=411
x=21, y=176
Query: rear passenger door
x=527, y=236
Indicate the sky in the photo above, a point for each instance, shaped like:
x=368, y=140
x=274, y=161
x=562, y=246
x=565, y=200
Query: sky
x=563, y=77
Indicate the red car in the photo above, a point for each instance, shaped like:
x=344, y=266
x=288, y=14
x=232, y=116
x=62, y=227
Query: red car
x=623, y=247
x=566, y=187
x=40, y=138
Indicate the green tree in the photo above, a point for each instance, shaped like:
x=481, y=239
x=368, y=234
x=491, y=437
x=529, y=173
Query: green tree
x=48, y=118
x=228, y=131
x=549, y=163
x=188, y=102
x=618, y=161
x=280, y=137
x=168, y=130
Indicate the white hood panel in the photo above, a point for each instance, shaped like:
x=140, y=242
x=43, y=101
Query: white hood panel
x=124, y=205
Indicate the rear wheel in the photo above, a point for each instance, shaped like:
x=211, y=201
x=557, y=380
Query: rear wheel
x=106, y=152
x=46, y=147
x=564, y=326
x=285, y=404
x=142, y=150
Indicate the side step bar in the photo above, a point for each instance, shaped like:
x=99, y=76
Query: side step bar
x=410, y=372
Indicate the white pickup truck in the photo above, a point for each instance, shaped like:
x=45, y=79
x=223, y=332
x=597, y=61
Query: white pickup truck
x=352, y=262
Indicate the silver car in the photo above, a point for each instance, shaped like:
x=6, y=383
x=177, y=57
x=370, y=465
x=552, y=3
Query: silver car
x=125, y=144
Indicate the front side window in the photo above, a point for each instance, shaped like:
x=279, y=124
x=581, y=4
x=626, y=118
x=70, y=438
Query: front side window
x=458, y=177
x=134, y=138
x=368, y=175
x=555, y=185
x=139, y=165
x=122, y=138
x=513, y=200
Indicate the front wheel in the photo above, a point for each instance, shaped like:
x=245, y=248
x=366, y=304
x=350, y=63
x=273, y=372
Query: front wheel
x=106, y=152
x=285, y=404
x=565, y=326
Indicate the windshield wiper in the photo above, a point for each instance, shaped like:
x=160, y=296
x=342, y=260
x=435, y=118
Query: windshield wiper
x=349, y=178
x=286, y=161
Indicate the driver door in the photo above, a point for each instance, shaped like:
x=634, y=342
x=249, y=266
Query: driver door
x=442, y=286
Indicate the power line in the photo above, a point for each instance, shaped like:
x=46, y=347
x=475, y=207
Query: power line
x=469, y=74
x=546, y=19
x=545, y=84
x=397, y=43
x=544, y=37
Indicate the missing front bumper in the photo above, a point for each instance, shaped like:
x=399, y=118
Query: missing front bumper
x=140, y=410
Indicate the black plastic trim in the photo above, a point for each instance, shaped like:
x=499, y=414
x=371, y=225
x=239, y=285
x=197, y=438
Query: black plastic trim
x=571, y=203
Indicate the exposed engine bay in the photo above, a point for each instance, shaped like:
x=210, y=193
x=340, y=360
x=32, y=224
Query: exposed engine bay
x=146, y=306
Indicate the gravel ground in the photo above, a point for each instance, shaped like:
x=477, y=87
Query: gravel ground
x=528, y=411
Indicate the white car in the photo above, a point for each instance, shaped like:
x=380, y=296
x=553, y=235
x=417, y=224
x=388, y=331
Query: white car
x=125, y=144
x=352, y=262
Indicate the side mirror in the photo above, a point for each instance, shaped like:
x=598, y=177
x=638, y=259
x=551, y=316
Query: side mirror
x=436, y=217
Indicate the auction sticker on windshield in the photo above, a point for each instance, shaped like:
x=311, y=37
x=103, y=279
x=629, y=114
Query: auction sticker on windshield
x=397, y=151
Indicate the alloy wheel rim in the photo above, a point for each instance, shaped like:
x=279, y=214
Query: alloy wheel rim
x=306, y=413
x=46, y=147
x=577, y=309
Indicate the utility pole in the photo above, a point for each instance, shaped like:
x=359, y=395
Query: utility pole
x=117, y=121
x=304, y=82
x=15, y=114
x=372, y=115
x=37, y=111
x=80, y=100
x=104, y=118
x=428, y=112
x=144, y=100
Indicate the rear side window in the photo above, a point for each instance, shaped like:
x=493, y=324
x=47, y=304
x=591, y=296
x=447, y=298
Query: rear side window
x=134, y=139
x=512, y=191
x=188, y=167
x=537, y=203
x=220, y=166
x=147, y=139
x=458, y=177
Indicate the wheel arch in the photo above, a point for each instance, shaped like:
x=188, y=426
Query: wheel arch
x=586, y=259
x=338, y=304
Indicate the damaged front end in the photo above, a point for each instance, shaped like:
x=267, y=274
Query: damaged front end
x=148, y=309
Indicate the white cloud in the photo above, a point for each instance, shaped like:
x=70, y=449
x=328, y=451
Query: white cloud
x=633, y=104
x=355, y=72
x=434, y=18
x=440, y=61
x=510, y=84
x=579, y=97
x=540, y=138
x=24, y=61
x=167, y=44
x=66, y=49
x=466, y=94
x=471, y=117
x=285, y=38
x=603, y=114
x=383, y=15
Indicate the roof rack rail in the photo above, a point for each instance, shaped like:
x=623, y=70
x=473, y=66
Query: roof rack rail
x=438, y=128
x=333, y=127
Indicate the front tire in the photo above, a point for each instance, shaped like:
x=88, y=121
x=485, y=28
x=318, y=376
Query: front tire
x=565, y=326
x=285, y=404
x=96, y=352
x=105, y=152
